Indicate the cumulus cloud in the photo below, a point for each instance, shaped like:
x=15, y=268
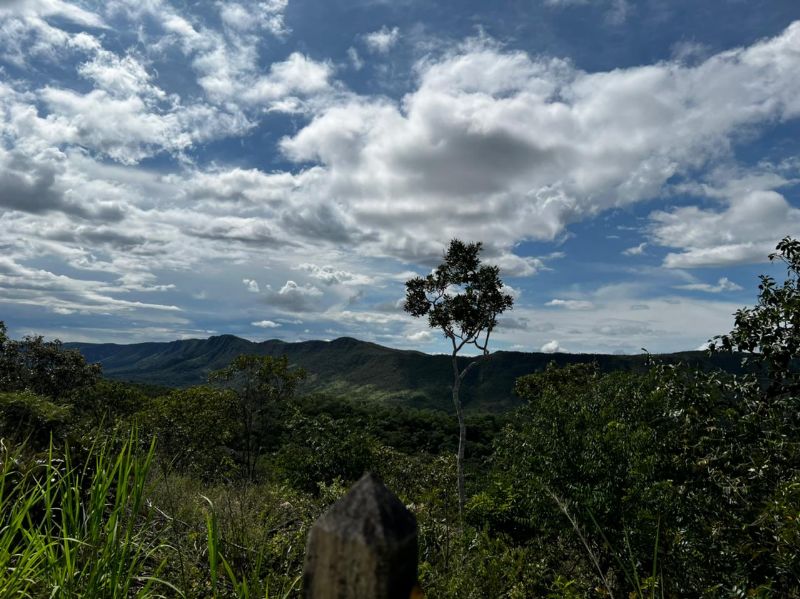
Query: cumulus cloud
x=570, y=304
x=124, y=129
x=420, y=336
x=383, y=40
x=251, y=16
x=504, y=146
x=551, y=347
x=298, y=74
x=103, y=170
x=332, y=276
x=294, y=298
x=252, y=285
x=746, y=229
x=41, y=184
x=724, y=284
x=265, y=324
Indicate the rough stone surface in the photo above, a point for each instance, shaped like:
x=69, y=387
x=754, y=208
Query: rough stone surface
x=364, y=546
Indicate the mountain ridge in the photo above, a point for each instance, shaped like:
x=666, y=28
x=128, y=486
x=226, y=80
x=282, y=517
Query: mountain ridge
x=360, y=369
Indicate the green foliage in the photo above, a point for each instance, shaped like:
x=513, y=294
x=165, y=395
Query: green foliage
x=43, y=367
x=771, y=328
x=706, y=463
x=706, y=455
x=348, y=369
x=27, y=416
x=461, y=297
x=261, y=379
x=262, y=385
x=195, y=428
x=320, y=450
x=77, y=530
x=107, y=401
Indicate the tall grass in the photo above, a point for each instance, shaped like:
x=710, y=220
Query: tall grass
x=216, y=562
x=79, y=530
x=87, y=529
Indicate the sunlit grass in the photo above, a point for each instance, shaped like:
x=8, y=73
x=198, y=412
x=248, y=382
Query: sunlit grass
x=87, y=529
x=71, y=530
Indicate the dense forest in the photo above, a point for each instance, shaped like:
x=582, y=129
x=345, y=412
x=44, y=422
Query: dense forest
x=663, y=481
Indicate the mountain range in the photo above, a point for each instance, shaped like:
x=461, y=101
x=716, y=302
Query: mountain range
x=357, y=369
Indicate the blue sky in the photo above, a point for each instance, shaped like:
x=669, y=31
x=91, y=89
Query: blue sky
x=278, y=169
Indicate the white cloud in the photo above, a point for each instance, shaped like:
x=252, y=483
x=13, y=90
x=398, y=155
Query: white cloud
x=570, y=304
x=28, y=35
x=636, y=250
x=120, y=76
x=420, y=336
x=366, y=317
x=123, y=129
x=671, y=322
x=298, y=74
x=502, y=146
x=50, y=8
x=724, y=284
x=294, y=298
x=512, y=265
x=488, y=144
x=265, y=324
x=253, y=16
x=689, y=50
x=383, y=40
x=333, y=276
x=24, y=285
x=745, y=230
x=551, y=347
x=355, y=59
x=126, y=117
x=252, y=285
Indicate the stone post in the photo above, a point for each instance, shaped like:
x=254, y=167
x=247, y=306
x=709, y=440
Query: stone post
x=363, y=547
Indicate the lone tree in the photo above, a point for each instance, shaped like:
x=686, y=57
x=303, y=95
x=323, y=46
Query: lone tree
x=261, y=384
x=463, y=298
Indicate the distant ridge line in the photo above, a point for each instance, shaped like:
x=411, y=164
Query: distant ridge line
x=360, y=369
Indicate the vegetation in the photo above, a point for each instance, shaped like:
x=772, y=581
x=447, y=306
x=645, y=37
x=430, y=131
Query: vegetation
x=661, y=481
x=350, y=368
x=462, y=298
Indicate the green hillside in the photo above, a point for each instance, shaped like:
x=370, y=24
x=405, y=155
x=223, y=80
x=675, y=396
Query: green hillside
x=354, y=368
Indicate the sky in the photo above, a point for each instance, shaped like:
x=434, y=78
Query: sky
x=279, y=169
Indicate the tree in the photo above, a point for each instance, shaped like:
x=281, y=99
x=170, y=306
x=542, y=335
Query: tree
x=463, y=298
x=195, y=427
x=43, y=367
x=771, y=329
x=260, y=383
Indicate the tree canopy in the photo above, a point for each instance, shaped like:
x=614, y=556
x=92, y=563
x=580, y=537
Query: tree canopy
x=462, y=297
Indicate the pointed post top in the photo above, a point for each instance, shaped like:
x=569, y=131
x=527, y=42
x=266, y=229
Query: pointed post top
x=371, y=514
x=365, y=545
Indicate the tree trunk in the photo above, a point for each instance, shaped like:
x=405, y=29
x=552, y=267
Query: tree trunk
x=462, y=439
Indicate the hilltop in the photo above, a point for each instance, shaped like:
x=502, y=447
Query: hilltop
x=354, y=368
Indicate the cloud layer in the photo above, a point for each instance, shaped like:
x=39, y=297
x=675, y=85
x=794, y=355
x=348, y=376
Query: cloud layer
x=118, y=197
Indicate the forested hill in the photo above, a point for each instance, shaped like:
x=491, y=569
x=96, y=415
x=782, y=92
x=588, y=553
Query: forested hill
x=354, y=368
